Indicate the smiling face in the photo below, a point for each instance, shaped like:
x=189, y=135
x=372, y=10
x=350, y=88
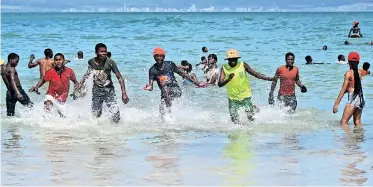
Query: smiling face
x=101, y=53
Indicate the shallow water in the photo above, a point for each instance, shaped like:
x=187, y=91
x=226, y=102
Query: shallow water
x=197, y=145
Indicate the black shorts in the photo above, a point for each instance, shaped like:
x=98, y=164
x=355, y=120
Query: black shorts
x=11, y=100
x=173, y=91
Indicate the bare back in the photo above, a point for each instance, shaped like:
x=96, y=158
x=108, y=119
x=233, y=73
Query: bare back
x=6, y=74
x=351, y=81
x=45, y=65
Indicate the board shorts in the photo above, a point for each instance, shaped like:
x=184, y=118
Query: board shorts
x=235, y=105
x=288, y=101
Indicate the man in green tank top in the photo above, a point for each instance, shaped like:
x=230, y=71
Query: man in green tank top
x=233, y=76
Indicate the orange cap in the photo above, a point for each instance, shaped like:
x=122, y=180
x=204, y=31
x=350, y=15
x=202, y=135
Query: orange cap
x=158, y=51
x=354, y=57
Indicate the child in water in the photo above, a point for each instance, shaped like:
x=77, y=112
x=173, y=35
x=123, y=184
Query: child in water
x=187, y=68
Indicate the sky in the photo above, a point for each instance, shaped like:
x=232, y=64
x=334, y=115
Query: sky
x=59, y=5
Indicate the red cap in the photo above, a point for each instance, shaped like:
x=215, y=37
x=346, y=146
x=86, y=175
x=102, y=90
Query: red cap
x=354, y=57
x=158, y=51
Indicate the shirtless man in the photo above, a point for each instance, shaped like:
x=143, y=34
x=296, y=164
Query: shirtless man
x=45, y=64
x=14, y=89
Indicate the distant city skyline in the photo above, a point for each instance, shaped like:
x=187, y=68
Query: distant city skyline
x=184, y=6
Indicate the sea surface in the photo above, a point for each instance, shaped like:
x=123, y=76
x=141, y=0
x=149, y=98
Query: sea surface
x=197, y=144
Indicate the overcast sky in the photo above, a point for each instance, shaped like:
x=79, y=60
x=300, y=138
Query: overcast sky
x=284, y=4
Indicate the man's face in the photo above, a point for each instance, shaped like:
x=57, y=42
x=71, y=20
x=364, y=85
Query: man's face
x=232, y=62
x=101, y=53
x=14, y=62
x=59, y=60
x=290, y=60
x=159, y=58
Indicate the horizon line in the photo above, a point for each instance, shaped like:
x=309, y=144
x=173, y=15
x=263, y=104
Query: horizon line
x=284, y=11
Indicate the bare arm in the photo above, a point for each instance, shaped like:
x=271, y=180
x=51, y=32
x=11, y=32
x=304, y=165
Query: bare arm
x=184, y=75
x=349, y=34
x=297, y=80
x=344, y=88
x=13, y=80
x=256, y=74
x=32, y=65
x=273, y=85
x=86, y=75
x=40, y=83
x=221, y=81
x=121, y=82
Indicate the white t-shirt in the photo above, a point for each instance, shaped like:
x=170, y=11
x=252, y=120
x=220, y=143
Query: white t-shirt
x=342, y=62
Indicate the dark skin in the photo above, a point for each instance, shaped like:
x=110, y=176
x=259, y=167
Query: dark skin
x=289, y=65
x=160, y=59
x=10, y=77
x=59, y=67
x=232, y=63
x=100, y=60
x=149, y=87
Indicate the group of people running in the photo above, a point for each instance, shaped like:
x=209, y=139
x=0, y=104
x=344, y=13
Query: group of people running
x=233, y=75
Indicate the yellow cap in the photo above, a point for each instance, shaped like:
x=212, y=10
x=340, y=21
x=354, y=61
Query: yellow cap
x=232, y=53
x=1, y=61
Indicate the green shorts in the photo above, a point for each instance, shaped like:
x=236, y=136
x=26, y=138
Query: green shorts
x=235, y=105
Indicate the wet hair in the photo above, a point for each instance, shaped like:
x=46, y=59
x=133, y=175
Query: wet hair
x=325, y=47
x=12, y=56
x=48, y=53
x=340, y=57
x=203, y=58
x=99, y=45
x=346, y=42
x=213, y=56
x=366, y=66
x=108, y=54
x=80, y=52
x=357, y=86
x=204, y=49
x=308, y=58
x=186, y=63
x=59, y=54
x=289, y=54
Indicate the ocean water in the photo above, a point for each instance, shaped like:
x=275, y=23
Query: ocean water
x=197, y=145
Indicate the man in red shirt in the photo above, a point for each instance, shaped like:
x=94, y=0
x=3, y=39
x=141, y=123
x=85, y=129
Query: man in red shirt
x=59, y=84
x=289, y=76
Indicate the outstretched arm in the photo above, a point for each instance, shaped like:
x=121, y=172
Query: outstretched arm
x=38, y=85
x=31, y=64
x=256, y=74
x=184, y=75
x=86, y=75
